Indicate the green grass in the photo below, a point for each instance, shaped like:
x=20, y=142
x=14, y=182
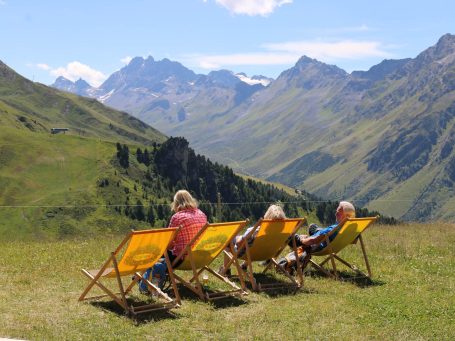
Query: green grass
x=46, y=175
x=411, y=296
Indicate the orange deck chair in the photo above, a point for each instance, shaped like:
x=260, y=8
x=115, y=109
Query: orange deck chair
x=349, y=232
x=141, y=250
x=270, y=241
x=205, y=246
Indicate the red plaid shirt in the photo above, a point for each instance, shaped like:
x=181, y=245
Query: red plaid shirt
x=191, y=220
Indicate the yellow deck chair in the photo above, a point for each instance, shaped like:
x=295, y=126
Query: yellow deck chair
x=142, y=249
x=349, y=232
x=206, y=245
x=271, y=239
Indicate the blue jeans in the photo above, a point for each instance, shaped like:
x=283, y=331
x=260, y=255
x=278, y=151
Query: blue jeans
x=158, y=271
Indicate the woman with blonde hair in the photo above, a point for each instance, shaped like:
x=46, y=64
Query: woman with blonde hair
x=191, y=220
x=189, y=217
x=274, y=212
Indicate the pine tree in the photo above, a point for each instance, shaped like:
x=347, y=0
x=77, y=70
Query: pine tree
x=139, y=156
x=138, y=211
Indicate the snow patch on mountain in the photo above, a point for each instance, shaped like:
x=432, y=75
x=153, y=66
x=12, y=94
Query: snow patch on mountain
x=105, y=97
x=254, y=80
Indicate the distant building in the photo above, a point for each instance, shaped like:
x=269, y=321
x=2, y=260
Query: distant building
x=58, y=130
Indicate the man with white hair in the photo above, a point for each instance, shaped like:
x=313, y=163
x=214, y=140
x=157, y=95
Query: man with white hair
x=345, y=210
x=314, y=242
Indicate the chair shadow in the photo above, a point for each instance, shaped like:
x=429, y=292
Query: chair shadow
x=228, y=302
x=268, y=278
x=225, y=302
x=347, y=276
x=113, y=307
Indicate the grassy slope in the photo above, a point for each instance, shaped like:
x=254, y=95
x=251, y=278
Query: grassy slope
x=411, y=296
x=36, y=107
x=40, y=169
x=54, y=170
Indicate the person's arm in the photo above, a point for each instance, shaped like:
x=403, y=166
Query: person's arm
x=311, y=240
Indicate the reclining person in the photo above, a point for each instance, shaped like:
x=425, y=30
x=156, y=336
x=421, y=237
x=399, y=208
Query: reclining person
x=274, y=212
x=315, y=241
x=191, y=220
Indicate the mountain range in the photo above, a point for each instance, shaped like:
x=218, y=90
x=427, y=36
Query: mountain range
x=382, y=138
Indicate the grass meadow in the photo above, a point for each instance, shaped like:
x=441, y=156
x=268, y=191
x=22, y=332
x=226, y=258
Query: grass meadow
x=411, y=296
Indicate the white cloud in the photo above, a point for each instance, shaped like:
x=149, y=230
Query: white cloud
x=43, y=66
x=126, y=60
x=220, y=61
x=2, y=2
x=253, y=7
x=75, y=70
x=289, y=52
x=345, y=49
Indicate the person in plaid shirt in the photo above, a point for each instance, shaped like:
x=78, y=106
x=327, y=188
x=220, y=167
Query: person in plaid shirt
x=191, y=220
x=189, y=217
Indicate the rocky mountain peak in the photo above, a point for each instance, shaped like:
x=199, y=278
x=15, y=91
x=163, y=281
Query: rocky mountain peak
x=135, y=63
x=223, y=78
x=444, y=48
x=64, y=84
x=309, y=73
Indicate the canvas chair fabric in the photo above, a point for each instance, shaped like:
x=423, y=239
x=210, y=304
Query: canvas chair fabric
x=141, y=250
x=204, y=248
x=271, y=238
x=349, y=232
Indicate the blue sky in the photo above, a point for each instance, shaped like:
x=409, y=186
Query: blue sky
x=91, y=39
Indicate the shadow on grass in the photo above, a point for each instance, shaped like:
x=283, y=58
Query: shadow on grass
x=350, y=277
x=284, y=287
x=228, y=302
x=225, y=302
x=113, y=307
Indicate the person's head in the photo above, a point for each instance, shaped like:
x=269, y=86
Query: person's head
x=274, y=212
x=345, y=210
x=183, y=201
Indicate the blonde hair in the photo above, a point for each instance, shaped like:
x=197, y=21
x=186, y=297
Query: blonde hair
x=183, y=201
x=348, y=209
x=274, y=212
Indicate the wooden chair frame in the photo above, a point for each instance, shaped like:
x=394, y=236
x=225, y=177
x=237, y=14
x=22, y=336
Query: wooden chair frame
x=333, y=256
x=249, y=274
x=194, y=283
x=120, y=297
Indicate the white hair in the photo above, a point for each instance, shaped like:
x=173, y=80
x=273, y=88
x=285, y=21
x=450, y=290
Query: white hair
x=348, y=208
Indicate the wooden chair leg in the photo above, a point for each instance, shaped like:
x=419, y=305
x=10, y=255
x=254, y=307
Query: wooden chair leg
x=170, y=272
x=106, y=290
x=299, y=267
x=197, y=285
x=365, y=256
x=252, y=280
x=119, y=281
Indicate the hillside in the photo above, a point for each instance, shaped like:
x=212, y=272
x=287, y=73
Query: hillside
x=57, y=186
x=35, y=107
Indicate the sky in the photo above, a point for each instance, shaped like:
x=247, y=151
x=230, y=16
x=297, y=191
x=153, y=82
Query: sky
x=91, y=39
